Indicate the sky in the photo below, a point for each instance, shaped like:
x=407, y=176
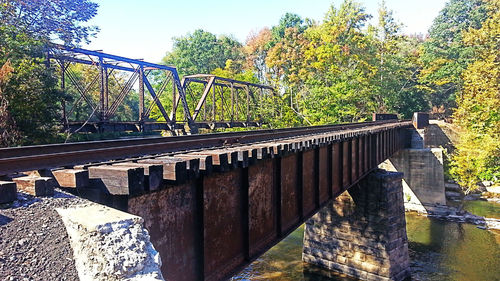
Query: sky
x=143, y=29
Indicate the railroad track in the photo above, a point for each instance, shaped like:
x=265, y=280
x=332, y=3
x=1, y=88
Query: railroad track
x=20, y=159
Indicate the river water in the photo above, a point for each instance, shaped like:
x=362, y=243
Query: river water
x=439, y=250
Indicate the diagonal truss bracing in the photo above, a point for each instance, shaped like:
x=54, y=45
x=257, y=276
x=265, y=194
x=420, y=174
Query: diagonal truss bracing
x=227, y=100
x=98, y=84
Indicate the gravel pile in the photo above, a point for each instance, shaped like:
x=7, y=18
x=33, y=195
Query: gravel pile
x=34, y=244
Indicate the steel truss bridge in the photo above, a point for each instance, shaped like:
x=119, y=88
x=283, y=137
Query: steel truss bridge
x=98, y=92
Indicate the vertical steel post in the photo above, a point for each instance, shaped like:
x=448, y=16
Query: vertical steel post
x=213, y=103
x=174, y=107
x=367, y=153
x=205, y=111
x=361, y=156
x=390, y=142
x=141, y=93
x=394, y=141
x=236, y=104
x=102, y=90
x=337, y=168
x=106, y=93
x=386, y=144
x=380, y=148
x=248, y=103
x=261, y=109
x=232, y=101
x=221, y=103
x=63, y=89
x=354, y=159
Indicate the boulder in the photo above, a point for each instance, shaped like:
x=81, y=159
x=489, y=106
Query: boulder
x=110, y=245
x=453, y=195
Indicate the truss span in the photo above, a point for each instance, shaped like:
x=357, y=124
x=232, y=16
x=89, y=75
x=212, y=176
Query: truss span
x=99, y=86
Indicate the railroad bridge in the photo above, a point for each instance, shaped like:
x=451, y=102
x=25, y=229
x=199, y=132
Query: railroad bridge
x=213, y=203
x=95, y=96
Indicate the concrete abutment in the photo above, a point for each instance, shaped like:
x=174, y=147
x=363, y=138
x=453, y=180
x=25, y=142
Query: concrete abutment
x=362, y=233
x=423, y=172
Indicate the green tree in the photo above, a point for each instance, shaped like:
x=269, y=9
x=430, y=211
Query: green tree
x=477, y=155
x=444, y=55
x=397, y=88
x=400, y=87
x=34, y=102
x=326, y=72
x=341, y=66
x=51, y=19
x=288, y=20
x=203, y=52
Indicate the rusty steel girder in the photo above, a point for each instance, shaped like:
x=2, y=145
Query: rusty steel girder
x=242, y=212
x=216, y=202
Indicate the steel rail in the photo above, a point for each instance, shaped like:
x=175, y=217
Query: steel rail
x=18, y=159
x=66, y=147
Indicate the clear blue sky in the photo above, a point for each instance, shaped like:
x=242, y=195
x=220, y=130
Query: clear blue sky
x=144, y=28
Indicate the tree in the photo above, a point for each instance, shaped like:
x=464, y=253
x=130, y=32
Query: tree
x=397, y=89
x=444, y=55
x=286, y=59
x=255, y=50
x=400, y=88
x=477, y=154
x=51, y=19
x=286, y=63
x=31, y=92
x=203, y=52
x=342, y=66
x=8, y=131
x=289, y=20
x=326, y=71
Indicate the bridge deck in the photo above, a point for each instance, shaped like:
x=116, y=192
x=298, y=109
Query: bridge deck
x=222, y=199
x=19, y=159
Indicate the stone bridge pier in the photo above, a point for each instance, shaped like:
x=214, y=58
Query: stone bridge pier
x=362, y=233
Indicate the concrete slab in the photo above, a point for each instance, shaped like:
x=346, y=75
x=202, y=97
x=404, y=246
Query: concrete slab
x=110, y=245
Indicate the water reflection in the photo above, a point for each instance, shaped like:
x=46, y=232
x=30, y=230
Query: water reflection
x=438, y=251
x=483, y=208
x=284, y=262
x=451, y=251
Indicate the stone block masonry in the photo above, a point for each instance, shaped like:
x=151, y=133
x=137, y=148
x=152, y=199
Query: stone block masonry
x=363, y=232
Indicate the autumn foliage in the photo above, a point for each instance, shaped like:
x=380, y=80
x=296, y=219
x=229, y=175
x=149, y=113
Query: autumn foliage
x=340, y=69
